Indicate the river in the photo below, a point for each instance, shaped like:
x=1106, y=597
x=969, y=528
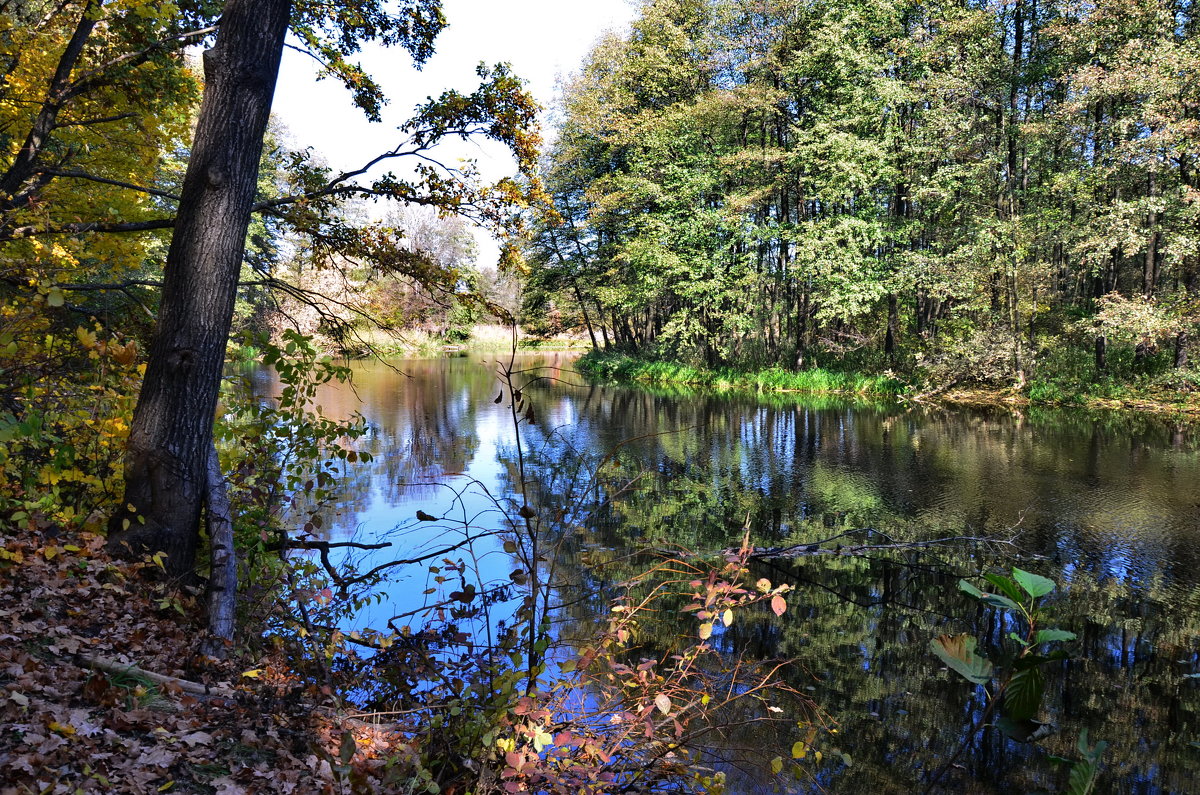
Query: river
x=1106, y=505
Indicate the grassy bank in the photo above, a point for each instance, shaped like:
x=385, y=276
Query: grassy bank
x=1173, y=395
x=621, y=367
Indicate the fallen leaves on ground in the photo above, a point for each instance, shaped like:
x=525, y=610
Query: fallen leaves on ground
x=68, y=729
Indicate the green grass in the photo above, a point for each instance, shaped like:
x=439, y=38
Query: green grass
x=622, y=367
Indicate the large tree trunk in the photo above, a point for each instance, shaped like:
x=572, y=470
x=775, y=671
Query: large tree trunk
x=172, y=424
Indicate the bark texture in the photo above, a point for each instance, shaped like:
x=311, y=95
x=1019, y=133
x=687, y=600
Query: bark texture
x=169, y=442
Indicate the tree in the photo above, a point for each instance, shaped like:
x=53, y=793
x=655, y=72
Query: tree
x=171, y=433
x=165, y=471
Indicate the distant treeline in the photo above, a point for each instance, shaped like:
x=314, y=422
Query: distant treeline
x=986, y=191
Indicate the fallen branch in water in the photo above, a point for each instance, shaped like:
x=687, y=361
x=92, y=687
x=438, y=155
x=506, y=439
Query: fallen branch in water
x=855, y=550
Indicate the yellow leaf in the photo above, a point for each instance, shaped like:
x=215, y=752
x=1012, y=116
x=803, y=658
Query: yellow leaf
x=706, y=630
x=776, y=765
x=253, y=673
x=50, y=553
x=86, y=338
x=799, y=749
x=66, y=730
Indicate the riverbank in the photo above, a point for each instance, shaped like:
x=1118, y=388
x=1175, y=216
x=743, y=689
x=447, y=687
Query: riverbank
x=622, y=367
x=1161, y=397
x=103, y=688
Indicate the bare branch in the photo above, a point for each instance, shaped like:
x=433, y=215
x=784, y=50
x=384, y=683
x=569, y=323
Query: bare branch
x=98, y=120
x=115, y=227
x=106, y=181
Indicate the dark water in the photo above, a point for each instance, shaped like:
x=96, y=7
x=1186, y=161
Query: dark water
x=1106, y=505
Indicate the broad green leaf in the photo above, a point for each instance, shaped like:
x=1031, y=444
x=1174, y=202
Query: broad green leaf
x=1023, y=696
x=958, y=652
x=1005, y=586
x=996, y=600
x=1034, y=584
x=968, y=588
x=1053, y=636
x=1083, y=774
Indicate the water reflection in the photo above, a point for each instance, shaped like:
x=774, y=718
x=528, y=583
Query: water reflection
x=1106, y=505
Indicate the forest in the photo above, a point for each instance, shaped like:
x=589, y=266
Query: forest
x=297, y=494
x=993, y=193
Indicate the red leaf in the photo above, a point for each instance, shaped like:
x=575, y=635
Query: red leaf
x=778, y=605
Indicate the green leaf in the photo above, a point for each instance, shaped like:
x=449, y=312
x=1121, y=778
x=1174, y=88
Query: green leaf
x=1023, y=696
x=347, y=749
x=1025, y=731
x=1053, y=636
x=1034, y=584
x=968, y=588
x=1083, y=774
x=1006, y=586
x=996, y=600
x=958, y=652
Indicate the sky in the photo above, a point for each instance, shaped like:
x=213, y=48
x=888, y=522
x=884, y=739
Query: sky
x=542, y=39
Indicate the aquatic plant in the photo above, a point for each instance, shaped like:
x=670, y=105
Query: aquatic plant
x=1017, y=685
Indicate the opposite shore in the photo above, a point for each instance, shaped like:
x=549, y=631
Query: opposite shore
x=1147, y=398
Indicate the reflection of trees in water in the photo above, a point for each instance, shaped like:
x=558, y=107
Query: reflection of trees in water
x=860, y=628
x=1111, y=504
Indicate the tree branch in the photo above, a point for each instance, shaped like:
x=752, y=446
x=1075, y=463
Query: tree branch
x=106, y=181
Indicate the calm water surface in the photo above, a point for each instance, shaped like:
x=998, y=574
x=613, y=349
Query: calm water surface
x=1108, y=506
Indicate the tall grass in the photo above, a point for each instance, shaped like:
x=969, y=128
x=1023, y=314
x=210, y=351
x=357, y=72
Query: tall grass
x=621, y=367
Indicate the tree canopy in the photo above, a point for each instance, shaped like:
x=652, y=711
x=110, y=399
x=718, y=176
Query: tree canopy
x=884, y=183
